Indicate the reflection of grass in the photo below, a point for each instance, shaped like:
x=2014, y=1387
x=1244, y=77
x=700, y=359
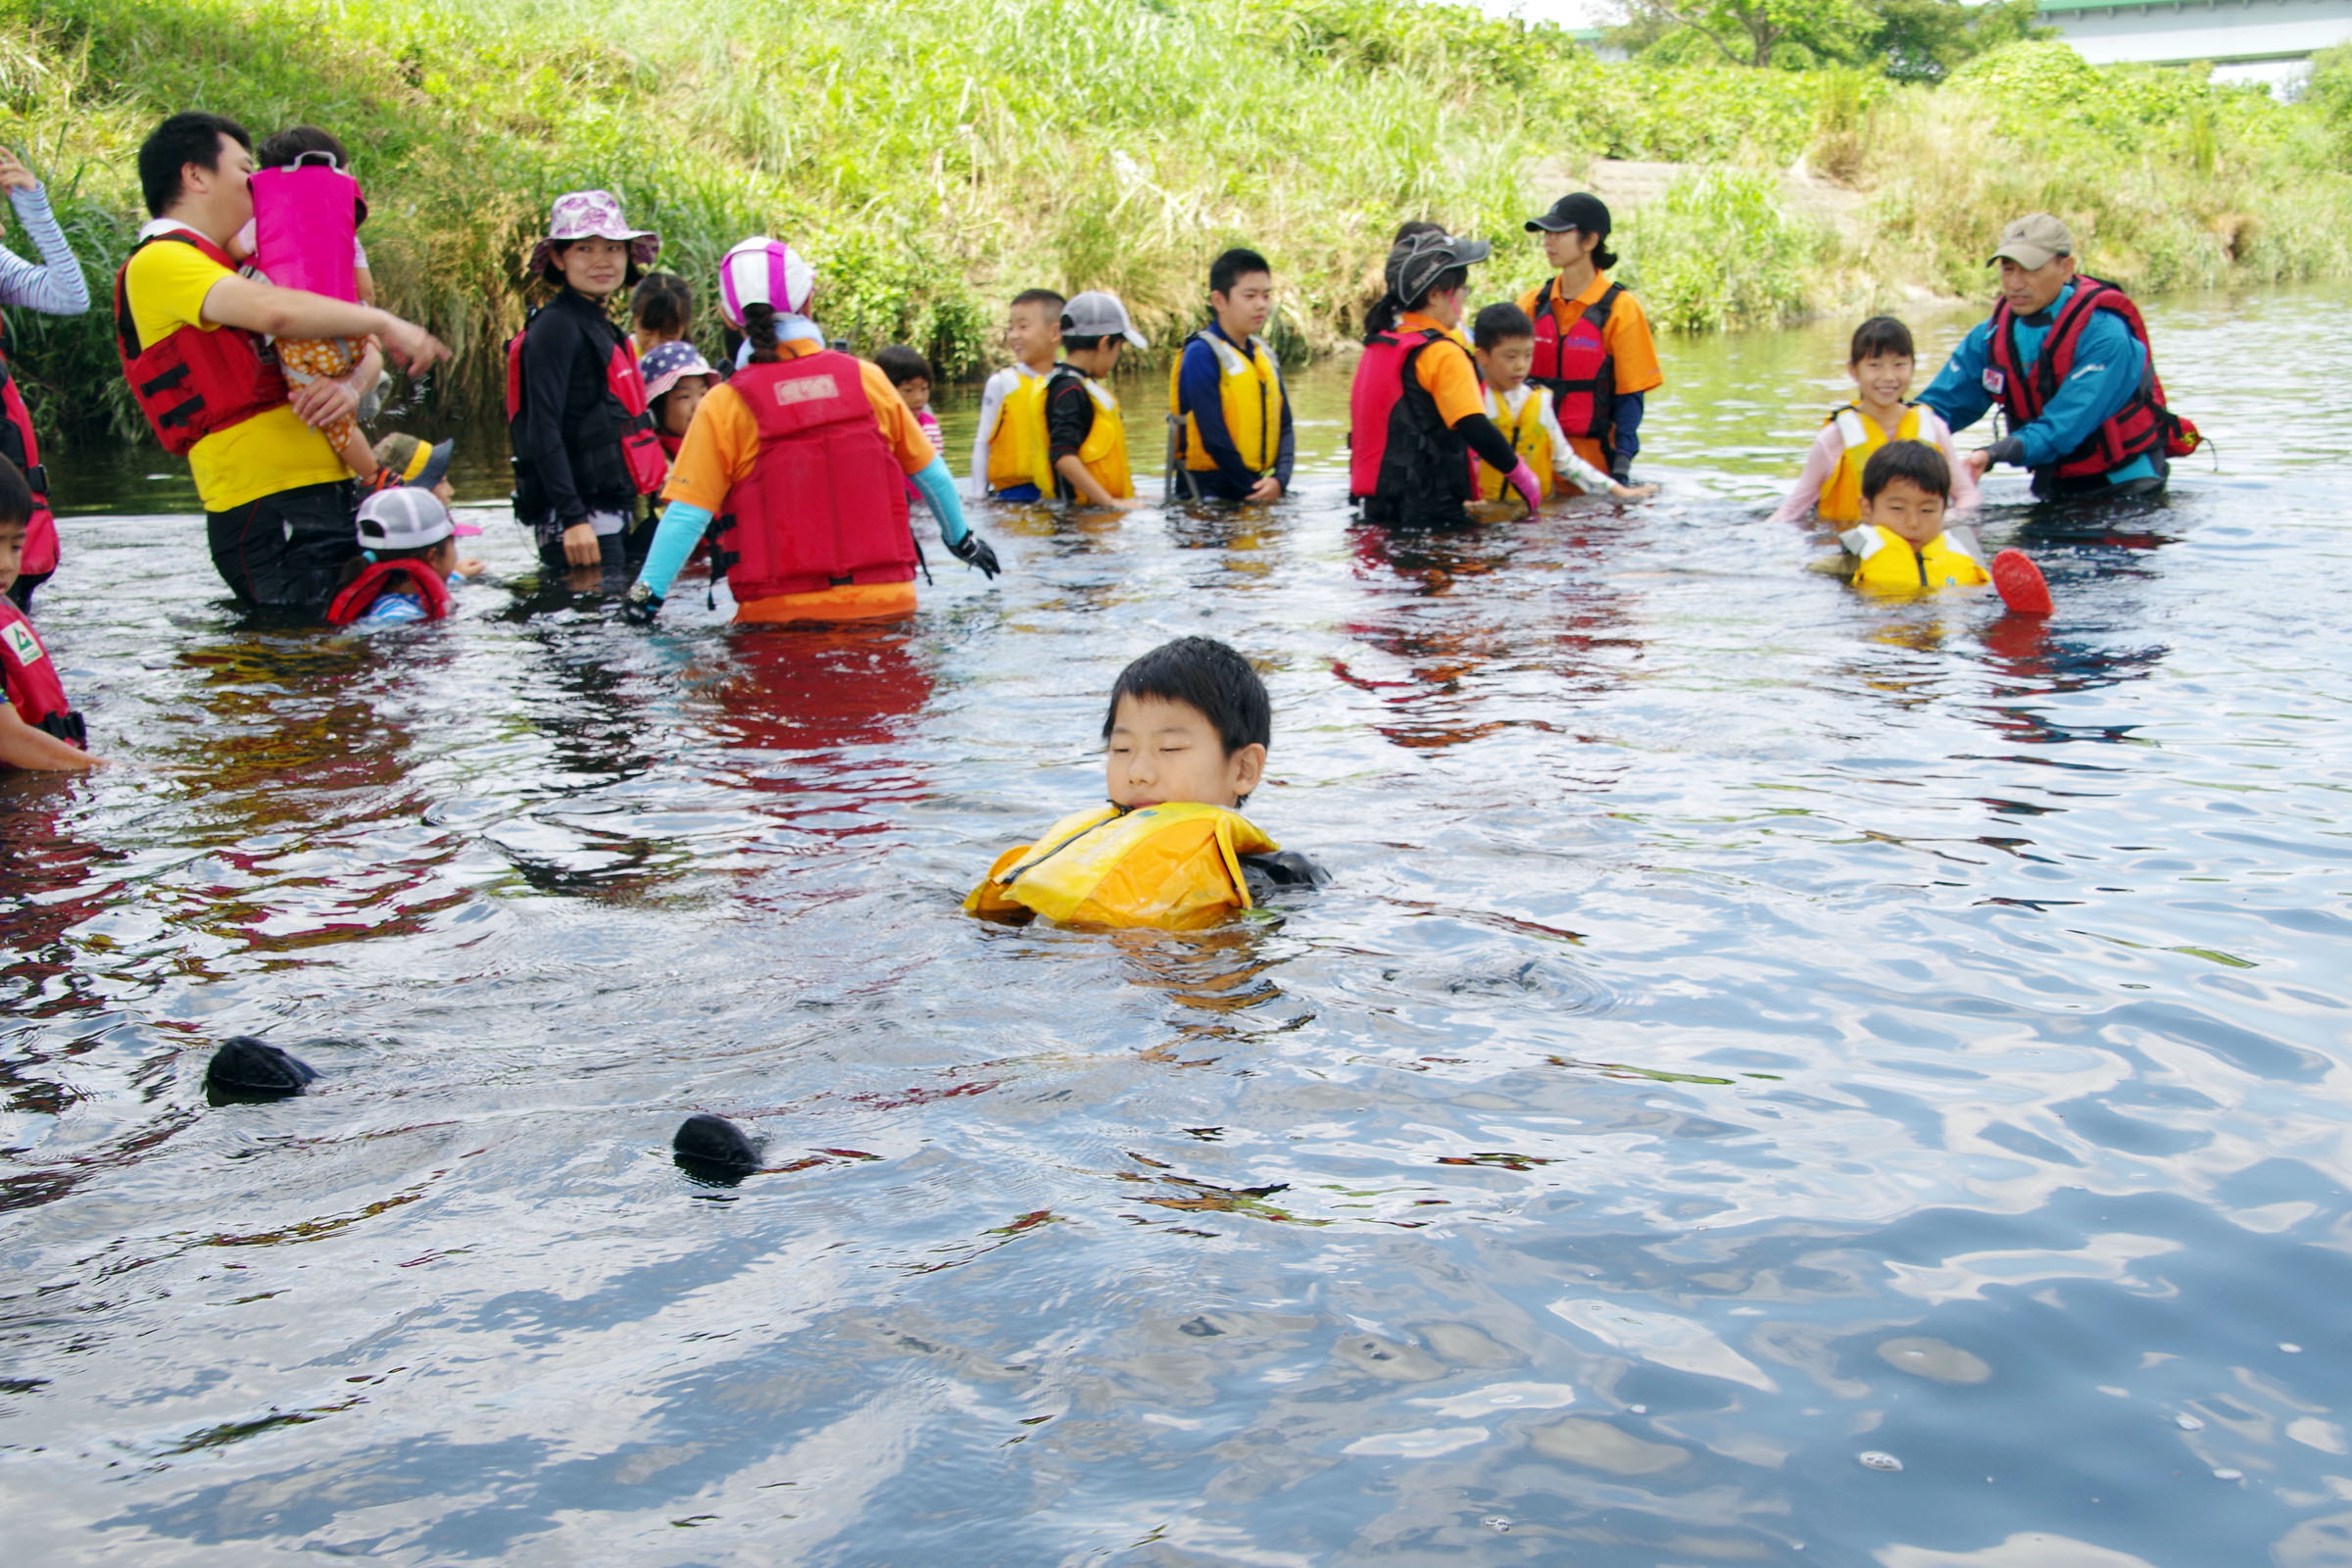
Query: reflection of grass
x=1619, y=1069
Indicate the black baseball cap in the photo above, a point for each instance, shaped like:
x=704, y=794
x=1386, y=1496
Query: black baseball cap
x=1579, y=209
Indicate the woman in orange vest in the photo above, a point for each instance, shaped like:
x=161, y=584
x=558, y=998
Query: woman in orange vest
x=1593, y=343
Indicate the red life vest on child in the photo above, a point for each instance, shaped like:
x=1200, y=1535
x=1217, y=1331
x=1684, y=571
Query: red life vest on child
x=1404, y=463
x=1578, y=368
x=19, y=446
x=361, y=593
x=29, y=675
x=640, y=442
x=194, y=381
x=2142, y=425
x=825, y=503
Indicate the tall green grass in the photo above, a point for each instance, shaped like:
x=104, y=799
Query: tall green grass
x=933, y=158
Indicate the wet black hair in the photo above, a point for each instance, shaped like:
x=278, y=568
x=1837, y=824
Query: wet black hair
x=664, y=303
x=1204, y=674
x=1881, y=334
x=1384, y=314
x=280, y=148
x=1072, y=343
x=903, y=365
x=1916, y=461
x=1040, y=296
x=1234, y=265
x=183, y=140
x=1413, y=229
x=1501, y=323
x=15, y=496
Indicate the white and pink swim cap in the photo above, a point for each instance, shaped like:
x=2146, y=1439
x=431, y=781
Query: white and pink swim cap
x=764, y=272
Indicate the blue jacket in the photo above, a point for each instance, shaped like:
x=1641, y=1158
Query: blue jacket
x=2109, y=362
x=1199, y=392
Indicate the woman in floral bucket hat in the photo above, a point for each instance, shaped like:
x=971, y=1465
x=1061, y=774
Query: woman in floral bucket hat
x=585, y=450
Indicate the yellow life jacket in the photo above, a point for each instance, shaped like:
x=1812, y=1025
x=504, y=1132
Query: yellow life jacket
x=1526, y=433
x=1249, y=387
x=1016, y=447
x=1105, y=450
x=1175, y=866
x=1841, y=498
x=1889, y=562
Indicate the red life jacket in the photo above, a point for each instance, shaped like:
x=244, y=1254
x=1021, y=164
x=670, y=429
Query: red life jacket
x=1578, y=368
x=361, y=595
x=194, y=381
x=17, y=445
x=29, y=675
x=1404, y=463
x=825, y=503
x=640, y=442
x=2143, y=425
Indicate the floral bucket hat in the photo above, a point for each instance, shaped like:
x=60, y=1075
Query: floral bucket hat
x=593, y=215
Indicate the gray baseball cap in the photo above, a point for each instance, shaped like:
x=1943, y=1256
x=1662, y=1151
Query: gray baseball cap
x=2034, y=241
x=1095, y=314
x=1421, y=260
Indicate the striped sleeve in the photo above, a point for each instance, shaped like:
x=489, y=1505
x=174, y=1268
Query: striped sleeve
x=55, y=286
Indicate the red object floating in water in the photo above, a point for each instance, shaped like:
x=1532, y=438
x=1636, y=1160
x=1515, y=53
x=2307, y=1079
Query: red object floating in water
x=2021, y=583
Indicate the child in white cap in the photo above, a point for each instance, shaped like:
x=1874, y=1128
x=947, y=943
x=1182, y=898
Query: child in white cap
x=407, y=554
x=1086, y=439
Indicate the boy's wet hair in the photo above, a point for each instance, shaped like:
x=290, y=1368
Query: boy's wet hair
x=903, y=365
x=280, y=149
x=16, y=496
x=1234, y=265
x=1040, y=296
x=183, y=140
x=664, y=303
x=1204, y=674
x=1414, y=229
x=1072, y=343
x=1915, y=460
x=1501, y=323
x=1881, y=334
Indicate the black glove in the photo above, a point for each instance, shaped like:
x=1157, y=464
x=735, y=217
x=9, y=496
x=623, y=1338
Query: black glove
x=640, y=605
x=1621, y=467
x=973, y=549
x=2008, y=449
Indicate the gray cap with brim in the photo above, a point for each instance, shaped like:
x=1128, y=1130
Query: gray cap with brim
x=1095, y=314
x=2032, y=242
x=1425, y=258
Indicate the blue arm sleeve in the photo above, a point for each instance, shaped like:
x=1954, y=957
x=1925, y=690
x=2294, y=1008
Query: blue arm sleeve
x=1199, y=394
x=2108, y=363
x=1957, y=394
x=1629, y=423
x=938, y=486
x=681, y=527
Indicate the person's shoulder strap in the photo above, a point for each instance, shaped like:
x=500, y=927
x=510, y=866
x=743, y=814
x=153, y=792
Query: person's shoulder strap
x=1601, y=309
x=1543, y=299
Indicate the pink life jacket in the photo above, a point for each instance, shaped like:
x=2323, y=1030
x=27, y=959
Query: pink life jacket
x=306, y=220
x=19, y=445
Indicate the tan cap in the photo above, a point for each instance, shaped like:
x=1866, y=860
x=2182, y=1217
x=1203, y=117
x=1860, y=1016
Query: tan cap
x=2033, y=240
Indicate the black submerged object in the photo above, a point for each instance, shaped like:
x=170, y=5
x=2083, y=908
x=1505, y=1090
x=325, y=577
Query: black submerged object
x=246, y=1071
x=712, y=1148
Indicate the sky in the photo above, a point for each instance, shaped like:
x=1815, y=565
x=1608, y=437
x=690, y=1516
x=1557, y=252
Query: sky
x=1567, y=13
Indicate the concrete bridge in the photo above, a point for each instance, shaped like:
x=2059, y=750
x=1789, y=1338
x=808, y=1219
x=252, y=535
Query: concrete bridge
x=2270, y=40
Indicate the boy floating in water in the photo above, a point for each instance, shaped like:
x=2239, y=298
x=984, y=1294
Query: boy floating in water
x=1185, y=742
x=1902, y=544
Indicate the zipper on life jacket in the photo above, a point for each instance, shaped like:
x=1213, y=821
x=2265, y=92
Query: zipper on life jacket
x=1034, y=861
x=1921, y=557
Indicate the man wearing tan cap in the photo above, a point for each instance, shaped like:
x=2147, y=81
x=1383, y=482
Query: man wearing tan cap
x=2067, y=359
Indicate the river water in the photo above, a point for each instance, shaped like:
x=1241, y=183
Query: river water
x=1778, y=1078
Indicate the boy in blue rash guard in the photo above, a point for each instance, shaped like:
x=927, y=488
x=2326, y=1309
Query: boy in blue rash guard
x=1231, y=423
x=793, y=550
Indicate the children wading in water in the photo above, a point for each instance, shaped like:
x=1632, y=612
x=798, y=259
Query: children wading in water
x=1880, y=360
x=1008, y=455
x=1085, y=435
x=1522, y=411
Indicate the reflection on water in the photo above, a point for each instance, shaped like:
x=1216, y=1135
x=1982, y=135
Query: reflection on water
x=1778, y=1078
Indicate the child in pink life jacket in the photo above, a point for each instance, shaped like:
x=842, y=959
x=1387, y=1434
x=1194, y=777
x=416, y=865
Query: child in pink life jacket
x=910, y=375
x=39, y=730
x=409, y=551
x=307, y=210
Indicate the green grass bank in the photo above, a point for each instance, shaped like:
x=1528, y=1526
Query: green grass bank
x=932, y=158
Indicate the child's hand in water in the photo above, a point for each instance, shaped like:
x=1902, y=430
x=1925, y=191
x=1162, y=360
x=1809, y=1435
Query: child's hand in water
x=468, y=568
x=1632, y=492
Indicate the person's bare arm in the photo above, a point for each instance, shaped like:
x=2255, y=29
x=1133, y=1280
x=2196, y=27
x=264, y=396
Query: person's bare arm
x=36, y=750
x=1088, y=488
x=236, y=301
x=321, y=403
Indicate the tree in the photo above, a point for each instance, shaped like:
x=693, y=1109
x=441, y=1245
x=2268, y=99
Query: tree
x=1911, y=41
x=1755, y=32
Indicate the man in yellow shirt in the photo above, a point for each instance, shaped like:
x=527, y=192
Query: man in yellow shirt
x=279, y=502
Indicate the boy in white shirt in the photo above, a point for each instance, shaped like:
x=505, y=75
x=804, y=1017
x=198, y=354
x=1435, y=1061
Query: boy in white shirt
x=1008, y=455
x=1505, y=344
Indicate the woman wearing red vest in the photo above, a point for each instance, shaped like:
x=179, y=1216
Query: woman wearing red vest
x=1593, y=343
x=799, y=456
x=55, y=287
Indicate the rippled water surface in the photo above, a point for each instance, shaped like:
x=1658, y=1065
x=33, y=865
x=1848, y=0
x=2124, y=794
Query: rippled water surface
x=1777, y=1079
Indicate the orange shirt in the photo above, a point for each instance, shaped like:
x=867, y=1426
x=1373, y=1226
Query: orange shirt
x=1626, y=335
x=1451, y=378
x=724, y=437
